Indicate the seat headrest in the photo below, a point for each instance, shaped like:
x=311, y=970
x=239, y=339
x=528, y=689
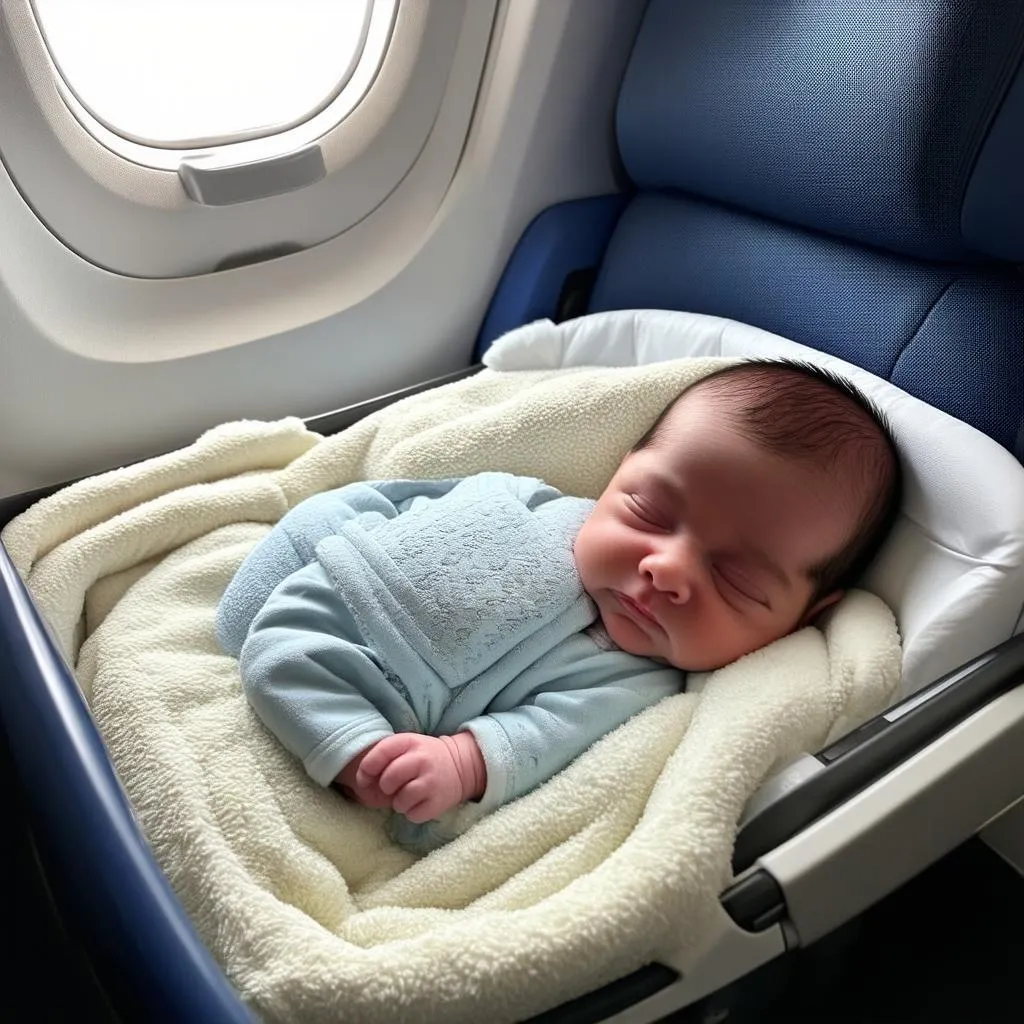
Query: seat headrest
x=894, y=124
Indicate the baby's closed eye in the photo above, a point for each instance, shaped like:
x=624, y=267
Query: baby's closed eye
x=738, y=582
x=647, y=512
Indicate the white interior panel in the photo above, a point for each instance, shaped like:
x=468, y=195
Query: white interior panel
x=98, y=368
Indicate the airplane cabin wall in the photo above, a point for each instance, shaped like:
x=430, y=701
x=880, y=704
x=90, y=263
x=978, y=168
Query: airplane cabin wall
x=99, y=368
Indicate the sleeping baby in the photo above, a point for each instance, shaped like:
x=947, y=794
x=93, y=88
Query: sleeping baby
x=421, y=644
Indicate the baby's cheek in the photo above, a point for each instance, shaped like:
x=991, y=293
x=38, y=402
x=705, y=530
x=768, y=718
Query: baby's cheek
x=708, y=645
x=583, y=555
x=745, y=640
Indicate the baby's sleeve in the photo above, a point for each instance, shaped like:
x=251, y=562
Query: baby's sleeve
x=311, y=680
x=581, y=699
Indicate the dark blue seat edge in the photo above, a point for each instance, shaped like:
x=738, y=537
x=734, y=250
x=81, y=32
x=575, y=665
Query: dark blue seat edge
x=567, y=237
x=129, y=919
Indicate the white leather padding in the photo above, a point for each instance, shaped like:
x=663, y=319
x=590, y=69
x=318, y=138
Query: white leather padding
x=952, y=569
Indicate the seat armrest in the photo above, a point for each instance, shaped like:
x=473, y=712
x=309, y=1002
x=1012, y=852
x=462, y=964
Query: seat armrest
x=812, y=787
x=111, y=892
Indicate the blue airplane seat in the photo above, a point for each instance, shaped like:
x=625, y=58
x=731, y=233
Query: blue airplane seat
x=845, y=174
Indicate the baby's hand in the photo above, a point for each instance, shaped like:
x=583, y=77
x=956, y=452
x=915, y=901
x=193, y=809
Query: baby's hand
x=424, y=776
x=368, y=794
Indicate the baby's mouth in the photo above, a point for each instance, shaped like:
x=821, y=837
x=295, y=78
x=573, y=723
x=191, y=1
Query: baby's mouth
x=635, y=609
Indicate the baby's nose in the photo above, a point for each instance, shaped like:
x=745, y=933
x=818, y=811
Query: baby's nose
x=670, y=575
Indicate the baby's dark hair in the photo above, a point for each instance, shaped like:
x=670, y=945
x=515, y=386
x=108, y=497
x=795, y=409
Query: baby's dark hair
x=801, y=411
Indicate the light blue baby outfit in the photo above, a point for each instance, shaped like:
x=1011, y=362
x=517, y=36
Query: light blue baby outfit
x=433, y=607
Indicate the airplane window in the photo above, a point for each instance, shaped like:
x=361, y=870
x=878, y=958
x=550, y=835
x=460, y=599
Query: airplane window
x=153, y=79
x=183, y=138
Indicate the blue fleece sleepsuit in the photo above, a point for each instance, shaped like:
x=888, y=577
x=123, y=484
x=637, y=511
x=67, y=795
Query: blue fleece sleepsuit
x=433, y=607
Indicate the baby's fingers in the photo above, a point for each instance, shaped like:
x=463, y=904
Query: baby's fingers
x=402, y=770
x=421, y=812
x=382, y=753
x=371, y=796
x=414, y=797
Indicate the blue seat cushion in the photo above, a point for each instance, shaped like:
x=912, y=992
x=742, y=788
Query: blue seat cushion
x=952, y=336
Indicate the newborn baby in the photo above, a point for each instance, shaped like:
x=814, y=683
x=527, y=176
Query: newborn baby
x=423, y=644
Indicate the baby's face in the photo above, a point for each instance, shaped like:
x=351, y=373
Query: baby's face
x=699, y=549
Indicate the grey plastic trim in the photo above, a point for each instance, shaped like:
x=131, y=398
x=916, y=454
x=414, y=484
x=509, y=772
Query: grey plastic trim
x=915, y=813
x=1005, y=836
x=211, y=185
x=729, y=954
x=789, y=778
x=862, y=756
x=927, y=694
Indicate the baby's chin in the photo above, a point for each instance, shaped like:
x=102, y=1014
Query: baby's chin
x=634, y=641
x=630, y=638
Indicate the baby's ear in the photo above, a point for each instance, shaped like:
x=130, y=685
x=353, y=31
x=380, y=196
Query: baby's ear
x=819, y=606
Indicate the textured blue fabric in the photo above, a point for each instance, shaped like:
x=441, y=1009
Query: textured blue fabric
x=797, y=164
x=563, y=238
x=860, y=118
x=292, y=545
x=968, y=357
x=993, y=210
x=952, y=336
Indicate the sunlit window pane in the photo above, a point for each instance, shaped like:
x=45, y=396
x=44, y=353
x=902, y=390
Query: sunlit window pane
x=187, y=73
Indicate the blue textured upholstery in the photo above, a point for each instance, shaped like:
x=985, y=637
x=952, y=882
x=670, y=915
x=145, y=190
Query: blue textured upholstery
x=559, y=240
x=846, y=173
x=993, y=214
x=953, y=337
x=862, y=118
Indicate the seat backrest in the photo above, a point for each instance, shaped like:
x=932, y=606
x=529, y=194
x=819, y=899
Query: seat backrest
x=845, y=173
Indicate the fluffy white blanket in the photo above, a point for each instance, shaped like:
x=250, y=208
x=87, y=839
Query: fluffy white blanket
x=312, y=913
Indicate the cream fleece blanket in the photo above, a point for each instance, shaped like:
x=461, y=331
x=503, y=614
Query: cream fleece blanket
x=312, y=913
